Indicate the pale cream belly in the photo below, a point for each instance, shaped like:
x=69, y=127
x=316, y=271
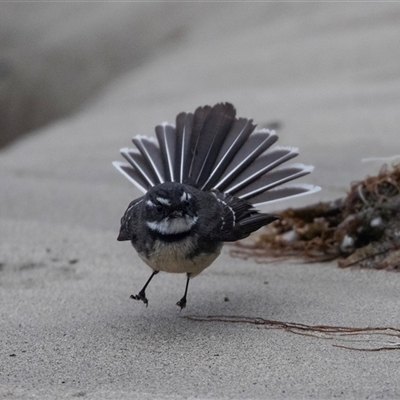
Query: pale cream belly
x=172, y=257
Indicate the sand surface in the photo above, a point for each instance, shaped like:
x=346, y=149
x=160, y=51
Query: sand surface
x=329, y=73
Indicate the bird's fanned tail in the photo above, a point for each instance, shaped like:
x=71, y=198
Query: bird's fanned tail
x=213, y=150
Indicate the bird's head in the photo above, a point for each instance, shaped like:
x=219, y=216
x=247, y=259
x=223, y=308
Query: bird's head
x=170, y=209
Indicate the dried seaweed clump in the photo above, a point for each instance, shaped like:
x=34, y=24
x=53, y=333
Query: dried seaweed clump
x=362, y=229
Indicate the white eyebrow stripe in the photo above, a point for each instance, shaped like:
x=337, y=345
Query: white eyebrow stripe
x=185, y=196
x=150, y=203
x=161, y=200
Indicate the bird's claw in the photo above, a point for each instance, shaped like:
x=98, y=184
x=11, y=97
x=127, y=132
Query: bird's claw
x=140, y=296
x=181, y=303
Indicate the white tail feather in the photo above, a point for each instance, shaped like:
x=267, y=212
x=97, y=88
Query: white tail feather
x=248, y=159
x=302, y=170
x=247, y=179
x=132, y=156
x=307, y=189
x=140, y=142
x=119, y=166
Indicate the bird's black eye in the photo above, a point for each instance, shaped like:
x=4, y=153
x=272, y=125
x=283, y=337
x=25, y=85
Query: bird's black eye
x=159, y=208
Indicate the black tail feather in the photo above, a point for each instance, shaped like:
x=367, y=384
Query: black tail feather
x=271, y=180
x=212, y=135
x=184, y=129
x=235, y=139
x=256, y=144
x=199, y=118
x=260, y=166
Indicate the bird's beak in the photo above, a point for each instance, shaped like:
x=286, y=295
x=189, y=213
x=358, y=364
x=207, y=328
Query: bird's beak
x=177, y=214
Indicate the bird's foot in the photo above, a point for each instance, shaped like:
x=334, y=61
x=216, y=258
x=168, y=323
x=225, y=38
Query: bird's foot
x=181, y=303
x=140, y=296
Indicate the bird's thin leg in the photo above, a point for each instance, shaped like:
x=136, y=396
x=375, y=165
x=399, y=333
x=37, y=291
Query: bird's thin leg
x=182, y=302
x=142, y=294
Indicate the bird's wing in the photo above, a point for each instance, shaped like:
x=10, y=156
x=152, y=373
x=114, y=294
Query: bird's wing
x=238, y=218
x=127, y=230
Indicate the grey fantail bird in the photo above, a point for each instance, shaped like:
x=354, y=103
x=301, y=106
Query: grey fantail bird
x=201, y=180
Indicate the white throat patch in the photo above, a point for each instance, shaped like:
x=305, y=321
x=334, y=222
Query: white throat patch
x=173, y=226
